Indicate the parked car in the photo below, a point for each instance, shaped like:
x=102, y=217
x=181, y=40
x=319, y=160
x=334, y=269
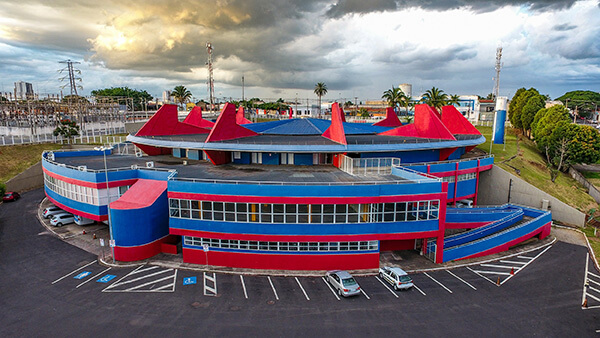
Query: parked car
x=345, y=284
x=399, y=279
x=59, y=220
x=82, y=220
x=51, y=211
x=11, y=196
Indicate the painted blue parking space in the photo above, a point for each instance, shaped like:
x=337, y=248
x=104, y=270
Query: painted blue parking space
x=82, y=275
x=106, y=278
x=189, y=280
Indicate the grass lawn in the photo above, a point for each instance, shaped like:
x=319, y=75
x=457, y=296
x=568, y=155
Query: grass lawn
x=532, y=167
x=15, y=159
x=594, y=240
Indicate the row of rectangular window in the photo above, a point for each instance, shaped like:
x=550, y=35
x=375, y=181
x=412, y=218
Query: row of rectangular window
x=281, y=246
x=463, y=177
x=304, y=213
x=83, y=194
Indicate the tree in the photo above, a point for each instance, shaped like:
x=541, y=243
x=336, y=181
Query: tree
x=364, y=113
x=454, y=99
x=181, y=94
x=551, y=119
x=517, y=109
x=435, y=98
x=320, y=90
x=139, y=97
x=393, y=96
x=67, y=129
x=512, y=106
x=533, y=105
x=585, y=144
x=407, y=101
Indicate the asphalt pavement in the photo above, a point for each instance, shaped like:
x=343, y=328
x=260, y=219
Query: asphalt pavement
x=51, y=288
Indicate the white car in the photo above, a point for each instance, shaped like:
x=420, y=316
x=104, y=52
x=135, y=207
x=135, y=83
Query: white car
x=345, y=284
x=51, y=211
x=399, y=279
x=59, y=220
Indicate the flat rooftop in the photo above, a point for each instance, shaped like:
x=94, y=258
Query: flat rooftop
x=204, y=170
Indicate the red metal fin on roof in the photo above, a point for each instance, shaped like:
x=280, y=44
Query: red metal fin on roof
x=240, y=118
x=226, y=127
x=427, y=125
x=165, y=122
x=335, y=132
x=194, y=118
x=456, y=122
x=391, y=119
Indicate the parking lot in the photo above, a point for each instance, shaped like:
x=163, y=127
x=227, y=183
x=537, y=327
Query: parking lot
x=52, y=288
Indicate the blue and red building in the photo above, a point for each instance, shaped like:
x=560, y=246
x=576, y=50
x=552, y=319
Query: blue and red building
x=297, y=194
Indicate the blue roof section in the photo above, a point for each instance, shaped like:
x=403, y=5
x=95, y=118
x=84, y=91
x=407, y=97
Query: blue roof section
x=310, y=127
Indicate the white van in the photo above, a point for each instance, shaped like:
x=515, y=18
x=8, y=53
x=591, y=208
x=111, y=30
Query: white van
x=82, y=220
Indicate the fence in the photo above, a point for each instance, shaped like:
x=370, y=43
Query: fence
x=93, y=136
x=592, y=190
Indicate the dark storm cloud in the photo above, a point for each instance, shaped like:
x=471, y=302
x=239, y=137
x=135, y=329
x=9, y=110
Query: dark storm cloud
x=564, y=27
x=343, y=7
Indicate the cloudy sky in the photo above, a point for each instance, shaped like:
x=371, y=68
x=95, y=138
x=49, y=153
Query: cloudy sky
x=358, y=48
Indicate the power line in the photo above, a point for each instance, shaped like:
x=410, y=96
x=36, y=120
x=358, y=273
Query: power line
x=71, y=75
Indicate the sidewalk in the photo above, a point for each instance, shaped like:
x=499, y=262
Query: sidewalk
x=410, y=261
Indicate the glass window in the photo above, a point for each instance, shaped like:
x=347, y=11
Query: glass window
x=207, y=206
x=290, y=208
x=184, y=204
x=174, y=203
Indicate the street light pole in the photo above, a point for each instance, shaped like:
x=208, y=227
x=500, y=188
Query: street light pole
x=110, y=230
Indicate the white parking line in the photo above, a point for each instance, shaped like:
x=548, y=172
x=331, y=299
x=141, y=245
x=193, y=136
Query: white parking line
x=497, y=266
x=593, y=274
x=492, y=272
x=72, y=272
x=300, y=285
x=146, y=284
x=120, y=279
x=364, y=293
x=433, y=279
x=387, y=287
x=144, y=270
x=513, y=262
x=142, y=277
x=462, y=280
x=593, y=297
x=330, y=288
x=525, y=257
x=524, y=266
x=77, y=287
x=421, y=291
x=273, y=287
x=482, y=276
x=244, y=286
x=593, y=281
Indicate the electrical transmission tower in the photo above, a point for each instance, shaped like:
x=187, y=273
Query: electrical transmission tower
x=498, y=67
x=71, y=75
x=211, y=80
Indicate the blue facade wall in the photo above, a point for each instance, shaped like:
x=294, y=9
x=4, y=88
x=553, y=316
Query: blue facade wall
x=270, y=158
x=84, y=207
x=407, y=156
x=457, y=154
x=304, y=229
x=134, y=227
x=194, y=154
x=303, y=159
x=245, y=158
x=466, y=188
x=487, y=230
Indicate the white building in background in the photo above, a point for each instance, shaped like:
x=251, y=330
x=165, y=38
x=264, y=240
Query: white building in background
x=469, y=106
x=406, y=88
x=23, y=90
x=166, y=96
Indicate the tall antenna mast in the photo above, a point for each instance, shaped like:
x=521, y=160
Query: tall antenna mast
x=71, y=75
x=497, y=77
x=211, y=80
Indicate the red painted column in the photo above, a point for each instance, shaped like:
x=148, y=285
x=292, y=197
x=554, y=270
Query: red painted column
x=424, y=247
x=439, y=253
x=477, y=183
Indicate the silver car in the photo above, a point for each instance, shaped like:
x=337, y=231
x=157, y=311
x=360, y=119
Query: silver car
x=62, y=219
x=345, y=284
x=399, y=279
x=51, y=211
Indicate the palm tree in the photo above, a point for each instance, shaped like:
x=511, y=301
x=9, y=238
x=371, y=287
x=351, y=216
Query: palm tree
x=435, y=98
x=320, y=90
x=407, y=101
x=454, y=99
x=393, y=96
x=181, y=94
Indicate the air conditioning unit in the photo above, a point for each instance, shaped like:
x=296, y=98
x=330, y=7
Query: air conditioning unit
x=50, y=156
x=139, y=154
x=134, y=166
x=150, y=164
x=184, y=162
x=82, y=168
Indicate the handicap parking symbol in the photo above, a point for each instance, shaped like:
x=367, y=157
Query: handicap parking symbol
x=189, y=280
x=106, y=279
x=82, y=275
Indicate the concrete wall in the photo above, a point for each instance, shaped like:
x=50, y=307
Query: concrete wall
x=31, y=178
x=592, y=190
x=494, y=190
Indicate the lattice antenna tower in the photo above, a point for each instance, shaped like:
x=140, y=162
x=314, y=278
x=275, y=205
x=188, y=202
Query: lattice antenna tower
x=71, y=71
x=211, y=80
x=498, y=66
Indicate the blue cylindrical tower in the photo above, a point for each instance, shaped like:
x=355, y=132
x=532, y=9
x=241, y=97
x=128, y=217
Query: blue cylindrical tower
x=499, y=120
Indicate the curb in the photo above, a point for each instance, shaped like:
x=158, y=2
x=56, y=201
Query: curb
x=590, y=250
